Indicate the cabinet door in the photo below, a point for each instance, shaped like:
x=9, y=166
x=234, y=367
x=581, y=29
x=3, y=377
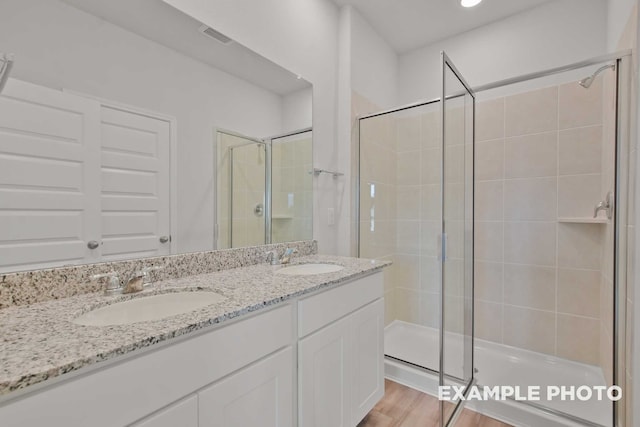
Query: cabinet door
x=183, y=414
x=323, y=377
x=260, y=395
x=367, y=372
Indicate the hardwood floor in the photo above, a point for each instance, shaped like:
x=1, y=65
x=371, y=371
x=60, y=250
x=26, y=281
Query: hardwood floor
x=405, y=407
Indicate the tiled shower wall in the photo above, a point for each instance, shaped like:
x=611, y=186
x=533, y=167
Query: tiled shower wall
x=379, y=168
x=539, y=174
x=400, y=208
x=292, y=189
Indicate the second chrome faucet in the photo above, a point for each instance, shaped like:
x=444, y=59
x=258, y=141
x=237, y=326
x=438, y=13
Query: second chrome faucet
x=274, y=259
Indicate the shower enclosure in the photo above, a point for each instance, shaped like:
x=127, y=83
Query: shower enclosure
x=265, y=191
x=510, y=262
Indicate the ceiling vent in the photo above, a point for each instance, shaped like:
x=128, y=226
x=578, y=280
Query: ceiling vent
x=216, y=35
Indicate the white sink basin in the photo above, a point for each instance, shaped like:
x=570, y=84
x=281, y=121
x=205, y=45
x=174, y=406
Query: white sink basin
x=309, y=269
x=142, y=309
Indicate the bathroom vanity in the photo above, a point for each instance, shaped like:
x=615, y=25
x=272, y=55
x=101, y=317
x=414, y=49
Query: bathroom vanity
x=276, y=350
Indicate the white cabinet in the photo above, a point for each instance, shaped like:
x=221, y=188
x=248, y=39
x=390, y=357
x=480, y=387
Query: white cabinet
x=367, y=372
x=323, y=383
x=340, y=365
x=183, y=414
x=260, y=395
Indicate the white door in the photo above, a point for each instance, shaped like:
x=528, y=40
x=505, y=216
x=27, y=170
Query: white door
x=49, y=179
x=324, y=381
x=367, y=337
x=135, y=184
x=260, y=395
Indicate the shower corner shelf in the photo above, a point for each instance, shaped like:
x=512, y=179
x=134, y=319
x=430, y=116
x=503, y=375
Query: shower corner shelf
x=583, y=220
x=278, y=216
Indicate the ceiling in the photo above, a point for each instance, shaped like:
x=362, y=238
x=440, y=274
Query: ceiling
x=409, y=24
x=157, y=21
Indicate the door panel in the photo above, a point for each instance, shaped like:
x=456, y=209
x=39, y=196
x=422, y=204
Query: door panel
x=49, y=179
x=135, y=155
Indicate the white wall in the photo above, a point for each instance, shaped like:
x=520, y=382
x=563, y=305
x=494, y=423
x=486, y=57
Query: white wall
x=553, y=34
x=618, y=13
x=297, y=110
x=301, y=36
x=374, y=64
x=61, y=47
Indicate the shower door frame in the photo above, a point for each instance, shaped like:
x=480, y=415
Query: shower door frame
x=447, y=65
x=459, y=405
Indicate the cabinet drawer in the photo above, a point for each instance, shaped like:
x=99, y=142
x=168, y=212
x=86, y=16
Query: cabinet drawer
x=319, y=310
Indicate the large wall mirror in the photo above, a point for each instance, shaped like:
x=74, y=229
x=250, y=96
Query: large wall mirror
x=128, y=130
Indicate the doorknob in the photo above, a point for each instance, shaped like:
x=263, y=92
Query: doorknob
x=93, y=244
x=164, y=239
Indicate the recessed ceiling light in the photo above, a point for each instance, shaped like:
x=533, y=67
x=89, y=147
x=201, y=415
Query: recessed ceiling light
x=469, y=3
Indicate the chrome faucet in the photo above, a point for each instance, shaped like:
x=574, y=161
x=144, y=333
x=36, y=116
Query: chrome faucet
x=604, y=205
x=113, y=285
x=136, y=283
x=274, y=259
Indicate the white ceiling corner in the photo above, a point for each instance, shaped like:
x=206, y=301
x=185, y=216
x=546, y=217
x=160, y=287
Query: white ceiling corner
x=409, y=24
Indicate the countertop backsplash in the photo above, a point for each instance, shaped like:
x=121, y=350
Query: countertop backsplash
x=28, y=287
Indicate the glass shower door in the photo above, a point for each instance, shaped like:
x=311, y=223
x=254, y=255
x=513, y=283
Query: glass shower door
x=456, y=245
x=247, y=195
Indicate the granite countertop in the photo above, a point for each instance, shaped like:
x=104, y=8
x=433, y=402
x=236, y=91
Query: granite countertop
x=39, y=341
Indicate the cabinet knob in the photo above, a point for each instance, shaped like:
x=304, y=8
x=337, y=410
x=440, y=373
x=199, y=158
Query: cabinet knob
x=164, y=239
x=93, y=244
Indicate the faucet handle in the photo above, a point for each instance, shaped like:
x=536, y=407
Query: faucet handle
x=144, y=273
x=605, y=205
x=273, y=257
x=286, y=257
x=114, y=281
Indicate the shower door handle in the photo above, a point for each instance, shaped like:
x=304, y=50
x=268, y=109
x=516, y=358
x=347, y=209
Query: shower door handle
x=442, y=247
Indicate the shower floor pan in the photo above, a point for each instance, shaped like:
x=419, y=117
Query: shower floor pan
x=497, y=364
